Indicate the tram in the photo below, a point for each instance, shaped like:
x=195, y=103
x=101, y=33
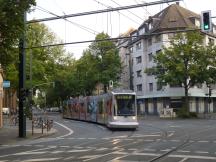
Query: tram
x=116, y=109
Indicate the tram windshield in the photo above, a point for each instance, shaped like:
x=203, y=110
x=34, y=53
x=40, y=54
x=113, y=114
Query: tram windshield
x=125, y=105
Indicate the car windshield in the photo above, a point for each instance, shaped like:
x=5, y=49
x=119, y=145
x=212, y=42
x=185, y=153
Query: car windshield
x=125, y=105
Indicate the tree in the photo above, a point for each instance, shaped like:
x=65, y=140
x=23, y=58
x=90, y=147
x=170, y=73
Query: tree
x=106, y=54
x=49, y=64
x=11, y=27
x=185, y=62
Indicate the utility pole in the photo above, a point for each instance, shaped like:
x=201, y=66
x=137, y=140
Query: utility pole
x=22, y=78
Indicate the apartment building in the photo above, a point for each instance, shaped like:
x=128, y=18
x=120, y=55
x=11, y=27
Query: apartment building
x=147, y=41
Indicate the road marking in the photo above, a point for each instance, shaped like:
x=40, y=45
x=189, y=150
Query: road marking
x=203, y=141
x=101, y=149
x=70, y=130
x=185, y=151
x=39, y=145
x=56, y=152
x=171, y=133
x=149, y=149
x=201, y=152
x=25, y=152
x=175, y=140
x=148, y=140
x=30, y=153
x=91, y=138
x=42, y=159
x=84, y=150
x=147, y=135
x=194, y=157
x=166, y=150
x=183, y=160
x=68, y=158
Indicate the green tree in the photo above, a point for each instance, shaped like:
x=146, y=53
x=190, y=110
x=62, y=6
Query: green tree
x=11, y=27
x=185, y=62
x=106, y=54
x=49, y=64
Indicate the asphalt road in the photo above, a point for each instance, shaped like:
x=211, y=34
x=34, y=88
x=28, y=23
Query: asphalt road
x=192, y=140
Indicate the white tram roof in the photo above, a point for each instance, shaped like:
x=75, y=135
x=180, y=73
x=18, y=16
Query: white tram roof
x=122, y=91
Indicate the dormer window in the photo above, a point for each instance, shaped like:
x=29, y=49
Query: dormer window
x=150, y=26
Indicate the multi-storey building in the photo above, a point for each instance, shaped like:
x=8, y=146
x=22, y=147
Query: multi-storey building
x=147, y=41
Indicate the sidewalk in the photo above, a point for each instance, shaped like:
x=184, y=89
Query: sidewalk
x=10, y=133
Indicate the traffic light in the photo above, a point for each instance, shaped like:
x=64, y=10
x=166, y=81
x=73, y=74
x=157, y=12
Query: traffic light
x=206, y=21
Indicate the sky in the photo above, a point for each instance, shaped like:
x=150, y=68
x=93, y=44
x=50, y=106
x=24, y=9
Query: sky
x=85, y=28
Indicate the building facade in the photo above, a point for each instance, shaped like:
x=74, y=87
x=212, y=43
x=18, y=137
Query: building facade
x=147, y=41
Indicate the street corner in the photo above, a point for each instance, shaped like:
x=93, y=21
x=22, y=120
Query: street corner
x=38, y=133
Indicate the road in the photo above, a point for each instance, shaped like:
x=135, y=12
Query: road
x=155, y=140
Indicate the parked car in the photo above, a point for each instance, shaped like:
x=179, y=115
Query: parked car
x=5, y=110
x=54, y=109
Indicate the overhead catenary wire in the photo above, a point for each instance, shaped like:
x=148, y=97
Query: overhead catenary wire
x=128, y=11
x=118, y=12
x=102, y=11
x=76, y=24
x=112, y=39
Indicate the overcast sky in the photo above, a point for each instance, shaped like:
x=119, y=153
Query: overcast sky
x=86, y=27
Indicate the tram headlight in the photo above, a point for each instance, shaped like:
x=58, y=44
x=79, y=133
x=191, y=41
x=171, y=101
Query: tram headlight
x=134, y=117
x=115, y=117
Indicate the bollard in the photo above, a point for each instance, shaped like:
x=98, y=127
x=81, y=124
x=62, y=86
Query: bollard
x=42, y=126
x=32, y=126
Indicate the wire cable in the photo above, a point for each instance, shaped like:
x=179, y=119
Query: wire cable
x=76, y=24
x=102, y=4
x=128, y=10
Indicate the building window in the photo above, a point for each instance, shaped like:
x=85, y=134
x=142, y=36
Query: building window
x=150, y=87
x=138, y=46
x=157, y=38
x=150, y=57
x=139, y=73
x=138, y=59
x=149, y=42
x=139, y=87
x=131, y=49
x=159, y=86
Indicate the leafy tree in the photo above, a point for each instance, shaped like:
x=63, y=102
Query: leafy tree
x=49, y=64
x=11, y=27
x=106, y=54
x=185, y=62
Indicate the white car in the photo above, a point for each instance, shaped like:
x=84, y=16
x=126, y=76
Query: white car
x=5, y=110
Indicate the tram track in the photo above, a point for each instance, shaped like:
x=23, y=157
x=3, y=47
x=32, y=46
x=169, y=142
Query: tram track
x=186, y=142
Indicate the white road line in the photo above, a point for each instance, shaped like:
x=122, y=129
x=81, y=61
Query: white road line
x=26, y=152
x=175, y=140
x=185, y=151
x=56, y=152
x=31, y=153
x=42, y=159
x=70, y=130
x=183, y=160
x=201, y=152
x=84, y=150
x=68, y=158
x=194, y=157
x=166, y=150
x=203, y=141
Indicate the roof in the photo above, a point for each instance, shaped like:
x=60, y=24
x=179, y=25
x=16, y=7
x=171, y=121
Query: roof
x=171, y=18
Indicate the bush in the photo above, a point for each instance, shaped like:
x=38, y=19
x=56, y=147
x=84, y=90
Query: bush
x=184, y=113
